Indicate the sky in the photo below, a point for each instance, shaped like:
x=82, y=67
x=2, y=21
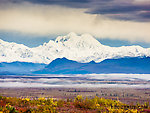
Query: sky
x=112, y=22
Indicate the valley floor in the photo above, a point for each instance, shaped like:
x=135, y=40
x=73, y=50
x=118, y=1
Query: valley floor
x=125, y=95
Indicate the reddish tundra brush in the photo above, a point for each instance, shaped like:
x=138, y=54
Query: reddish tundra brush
x=79, y=104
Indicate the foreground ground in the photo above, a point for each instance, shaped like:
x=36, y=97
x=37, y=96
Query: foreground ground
x=125, y=95
x=77, y=105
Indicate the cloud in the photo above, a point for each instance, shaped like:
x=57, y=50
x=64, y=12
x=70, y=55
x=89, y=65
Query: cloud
x=53, y=19
x=116, y=9
x=123, y=10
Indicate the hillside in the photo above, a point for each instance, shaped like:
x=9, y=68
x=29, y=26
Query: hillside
x=123, y=65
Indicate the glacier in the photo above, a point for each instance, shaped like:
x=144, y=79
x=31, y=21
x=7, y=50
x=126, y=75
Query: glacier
x=81, y=48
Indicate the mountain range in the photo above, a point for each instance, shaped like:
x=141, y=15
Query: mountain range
x=12, y=68
x=81, y=48
x=129, y=65
x=72, y=54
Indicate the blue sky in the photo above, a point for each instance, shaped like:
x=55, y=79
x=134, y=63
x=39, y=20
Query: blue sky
x=112, y=22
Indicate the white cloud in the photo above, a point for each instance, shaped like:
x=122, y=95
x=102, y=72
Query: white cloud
x=48, y=19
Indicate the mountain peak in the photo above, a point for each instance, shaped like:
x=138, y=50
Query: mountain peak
x=62, y=39
x=80, y=48
x=78, y=41
x=87, y=35
x=71, y=34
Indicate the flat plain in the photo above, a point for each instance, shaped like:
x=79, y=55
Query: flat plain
x=125, y=95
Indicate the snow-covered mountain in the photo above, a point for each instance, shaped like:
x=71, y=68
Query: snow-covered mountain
x=84, y=48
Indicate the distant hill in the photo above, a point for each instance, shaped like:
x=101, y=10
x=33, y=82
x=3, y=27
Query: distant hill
x=19, y=67
x=135, y=65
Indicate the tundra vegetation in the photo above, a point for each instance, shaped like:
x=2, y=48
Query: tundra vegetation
x=77, y=105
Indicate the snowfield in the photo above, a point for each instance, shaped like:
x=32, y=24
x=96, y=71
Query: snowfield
x=84, y=48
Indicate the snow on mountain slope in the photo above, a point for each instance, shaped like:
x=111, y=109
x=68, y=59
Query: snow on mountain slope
x=82, y=48
x=10, y=52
